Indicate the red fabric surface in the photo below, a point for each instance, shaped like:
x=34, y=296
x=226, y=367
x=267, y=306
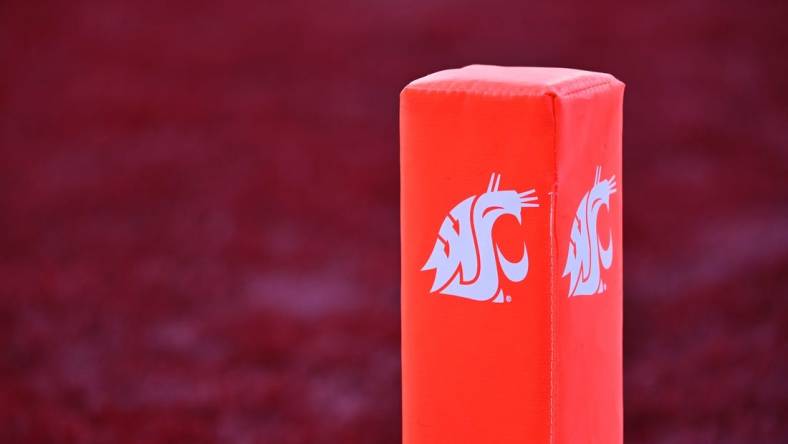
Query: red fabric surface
x=199, y=224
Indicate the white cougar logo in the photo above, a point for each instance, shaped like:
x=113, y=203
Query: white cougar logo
x=586, y=253
x=465, y=257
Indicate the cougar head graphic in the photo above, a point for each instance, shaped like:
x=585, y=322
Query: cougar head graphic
x=465, y=257
x=586, y=255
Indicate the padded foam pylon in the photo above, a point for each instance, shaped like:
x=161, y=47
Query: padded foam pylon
x=511, y=257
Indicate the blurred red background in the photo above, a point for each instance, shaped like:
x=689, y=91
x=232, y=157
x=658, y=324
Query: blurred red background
x=199, y=211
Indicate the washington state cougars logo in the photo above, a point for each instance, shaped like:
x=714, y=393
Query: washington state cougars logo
x=466, y=258
x=586, y=256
